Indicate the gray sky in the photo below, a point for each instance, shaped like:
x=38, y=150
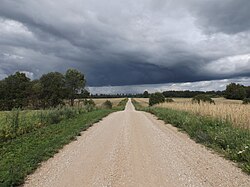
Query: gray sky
x=130, y=42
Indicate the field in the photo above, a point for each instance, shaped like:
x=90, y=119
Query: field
x=115, y=101
x=227, y=110
x=29, y=137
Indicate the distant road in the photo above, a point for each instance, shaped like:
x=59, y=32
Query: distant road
x=132, y=148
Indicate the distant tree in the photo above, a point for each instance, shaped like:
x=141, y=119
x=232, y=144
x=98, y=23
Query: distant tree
x=84, y=94
x=53, y=89
x=14, y=91
x=36, y=94
x=246, y=101
x=235, y=91
x=146, y=94
x=202, y=98
x=75, y=83
x=156, y=98
x=247, y=91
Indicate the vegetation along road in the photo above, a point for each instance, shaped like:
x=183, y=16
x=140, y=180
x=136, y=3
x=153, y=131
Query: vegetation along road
x=133, y=148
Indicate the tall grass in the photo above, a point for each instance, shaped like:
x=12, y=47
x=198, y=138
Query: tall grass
x=237, y=114
x=16, y=122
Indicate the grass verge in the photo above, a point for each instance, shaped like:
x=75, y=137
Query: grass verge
x=22, y=155
x=233, y=143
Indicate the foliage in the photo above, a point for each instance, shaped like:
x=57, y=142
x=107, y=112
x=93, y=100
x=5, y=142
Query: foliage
x=202, y=98
x=190, y=94
x=246, y=101
x=75, y=82
x=156, y=98
x=107, y=104
x=17, y=91
x=36, y=94
x=145, y=94
x=235, y=91
x=169, y=100
x=84, y=94
x=121, y=105
x=53, y=89
x=89, y=104
x=14, y=91
x=18, y=122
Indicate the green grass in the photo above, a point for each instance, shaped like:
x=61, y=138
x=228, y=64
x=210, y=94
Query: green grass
x=16, y=122
x=21, y=155
x=231, y=142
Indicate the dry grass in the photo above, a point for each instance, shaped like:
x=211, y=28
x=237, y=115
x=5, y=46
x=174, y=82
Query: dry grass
x=115, y=101
x=231, y=110
x=98, y=102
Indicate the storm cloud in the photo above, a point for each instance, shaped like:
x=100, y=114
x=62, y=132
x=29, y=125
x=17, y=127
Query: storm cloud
x=127, y=42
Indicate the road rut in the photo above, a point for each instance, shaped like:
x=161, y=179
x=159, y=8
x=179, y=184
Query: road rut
x=133, y=148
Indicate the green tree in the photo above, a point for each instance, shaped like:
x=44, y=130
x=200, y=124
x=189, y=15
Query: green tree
x=84, y=94
x=235, y=91
x=145, y=94
x=75, y=83
x=156, y=98
x=247, y=91
x=14, y=91
x=53, y=89
x=36, y=94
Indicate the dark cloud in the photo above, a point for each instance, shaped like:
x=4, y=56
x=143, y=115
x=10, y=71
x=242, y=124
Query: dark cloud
x=228, y=16
x=127, y=42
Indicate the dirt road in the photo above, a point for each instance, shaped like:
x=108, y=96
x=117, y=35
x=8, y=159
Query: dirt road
x=132, y=148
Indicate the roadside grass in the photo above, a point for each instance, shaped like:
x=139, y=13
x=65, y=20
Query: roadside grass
x=220, y=135
x=21, y=155
x=16, y=122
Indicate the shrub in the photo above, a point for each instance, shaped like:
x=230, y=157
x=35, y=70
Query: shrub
x=53, y=116
x=169, y=100
x=156, y=98
x=12, y=124
x=246, y=101
x=89, y=102
x=202, y=98
x=107, y=104
x=89, y=105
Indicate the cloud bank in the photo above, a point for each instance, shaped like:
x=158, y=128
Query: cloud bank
x=127, y=42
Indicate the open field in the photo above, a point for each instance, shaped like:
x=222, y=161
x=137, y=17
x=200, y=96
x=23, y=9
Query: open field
x=115, y=101
x=228, y=110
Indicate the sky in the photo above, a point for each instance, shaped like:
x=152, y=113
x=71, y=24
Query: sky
x=129, y=45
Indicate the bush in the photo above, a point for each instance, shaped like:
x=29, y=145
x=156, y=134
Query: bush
x=89, y=102
x=89, y=105
x=202, y=98
x=246, y=101
x=156, y=98
x=107, y=104
x=169, y=100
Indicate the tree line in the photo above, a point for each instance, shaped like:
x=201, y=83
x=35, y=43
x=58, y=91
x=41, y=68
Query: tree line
x=19, y=91
x=232, y=91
